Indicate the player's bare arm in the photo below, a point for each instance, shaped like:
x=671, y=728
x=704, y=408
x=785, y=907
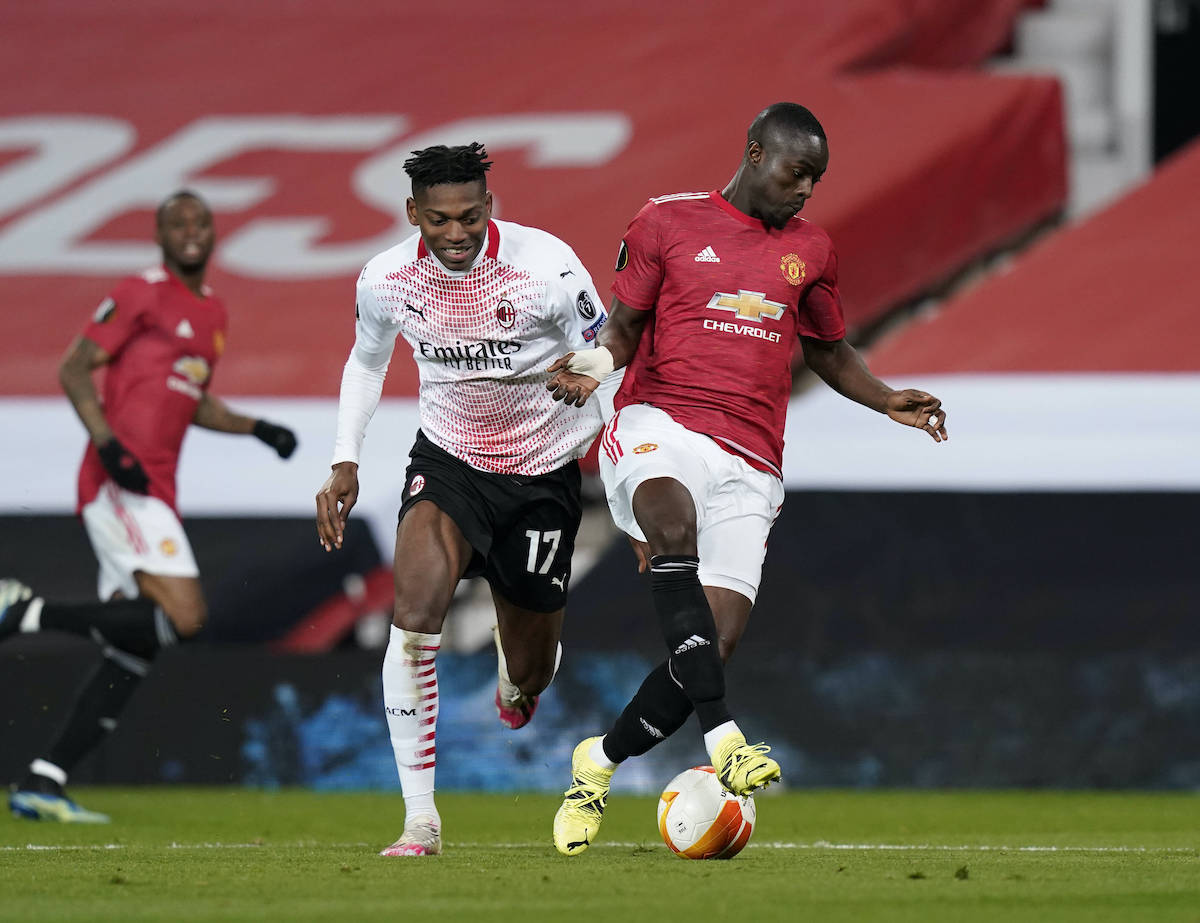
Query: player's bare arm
x=75, y=375
x=213, y=413
x=840, y=366
x=335, y=500
x=620, y=336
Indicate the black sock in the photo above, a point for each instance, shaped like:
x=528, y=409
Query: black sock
x=691, y=635
x=135, y=626
x=97, y=707
x=657, y=710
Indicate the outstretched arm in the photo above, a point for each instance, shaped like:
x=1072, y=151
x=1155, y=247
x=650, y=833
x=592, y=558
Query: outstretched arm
x=213, y=413
x=840, y=366
x=573, y=377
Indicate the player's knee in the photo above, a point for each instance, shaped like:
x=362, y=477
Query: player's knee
x=725, y=647
x=672, y=537
x=189, y=619
x=410, y=615
x=531, y=678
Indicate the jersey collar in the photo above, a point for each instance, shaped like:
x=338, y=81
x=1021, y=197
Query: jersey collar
x=489, y=250
x=741, y=216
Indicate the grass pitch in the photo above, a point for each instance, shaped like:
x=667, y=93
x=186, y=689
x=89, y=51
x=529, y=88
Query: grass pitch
x=234, y=854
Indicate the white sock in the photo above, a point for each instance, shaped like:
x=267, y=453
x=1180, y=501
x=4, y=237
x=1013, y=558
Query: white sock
x=49, y=770
x=421, y=806
x=714, y=737
x=32, y=619
x=510, y=694
x=599, y=757
x=410, y=702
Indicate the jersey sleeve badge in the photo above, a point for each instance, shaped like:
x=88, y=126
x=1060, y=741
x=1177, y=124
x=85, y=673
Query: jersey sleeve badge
x=583, y=303
x=104, y=311
x=622, y=257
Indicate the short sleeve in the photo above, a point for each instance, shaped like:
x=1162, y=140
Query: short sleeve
x=119, y=317
x=639, y=260
x=374, y=333
x=821, y=310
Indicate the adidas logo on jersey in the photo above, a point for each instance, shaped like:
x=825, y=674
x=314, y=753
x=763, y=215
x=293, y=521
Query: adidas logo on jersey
x=185, y=330
x=691, y=644
x=707, y=256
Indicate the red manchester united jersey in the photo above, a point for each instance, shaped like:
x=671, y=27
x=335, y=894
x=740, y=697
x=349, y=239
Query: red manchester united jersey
x=164, y=341
x=729, y=297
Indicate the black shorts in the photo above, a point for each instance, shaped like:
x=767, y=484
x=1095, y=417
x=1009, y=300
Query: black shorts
x=522, y=528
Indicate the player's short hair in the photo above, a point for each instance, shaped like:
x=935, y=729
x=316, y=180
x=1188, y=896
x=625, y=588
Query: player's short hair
x=783, y=118
x=161, y=211
x=465, y=163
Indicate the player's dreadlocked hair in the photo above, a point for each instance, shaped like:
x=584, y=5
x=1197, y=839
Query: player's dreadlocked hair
x=784, y=118
x=439, y=164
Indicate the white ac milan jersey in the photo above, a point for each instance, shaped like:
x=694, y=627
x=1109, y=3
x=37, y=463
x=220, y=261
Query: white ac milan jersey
x=482, y=340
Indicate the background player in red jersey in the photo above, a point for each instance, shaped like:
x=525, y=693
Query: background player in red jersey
x=159, y=336
x=711, y=291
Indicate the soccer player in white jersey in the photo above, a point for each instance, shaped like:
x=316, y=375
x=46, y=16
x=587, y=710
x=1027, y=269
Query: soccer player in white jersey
x=492, y=489
x=712, y=290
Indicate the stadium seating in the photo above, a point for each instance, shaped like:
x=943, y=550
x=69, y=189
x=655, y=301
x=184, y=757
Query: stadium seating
x=588, y=110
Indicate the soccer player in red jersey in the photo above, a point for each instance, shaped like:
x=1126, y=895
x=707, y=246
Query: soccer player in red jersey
x=158, y=335
x=712, y=289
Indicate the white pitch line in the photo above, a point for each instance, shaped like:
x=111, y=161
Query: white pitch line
x=883, y=847
x=815, y=846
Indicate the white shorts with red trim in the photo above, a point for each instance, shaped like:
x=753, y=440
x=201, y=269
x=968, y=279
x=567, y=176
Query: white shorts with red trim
x=736, y=504
x=132, y=532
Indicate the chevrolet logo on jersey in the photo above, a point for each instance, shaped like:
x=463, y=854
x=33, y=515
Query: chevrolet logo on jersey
x=750, y=305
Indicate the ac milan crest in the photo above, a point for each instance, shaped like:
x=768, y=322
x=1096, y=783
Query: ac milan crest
x=506, y=314
x=416, y=485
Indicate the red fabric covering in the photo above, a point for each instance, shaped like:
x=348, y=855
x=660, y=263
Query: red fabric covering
x=1117, y=293
x=929, y=167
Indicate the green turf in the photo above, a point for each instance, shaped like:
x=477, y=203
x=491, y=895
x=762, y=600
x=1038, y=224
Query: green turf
x=232, y=854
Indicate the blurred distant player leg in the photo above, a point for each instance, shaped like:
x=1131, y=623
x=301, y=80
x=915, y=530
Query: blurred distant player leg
x=130, y=632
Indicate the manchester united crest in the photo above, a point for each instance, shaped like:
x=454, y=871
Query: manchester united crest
x=793, y=269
